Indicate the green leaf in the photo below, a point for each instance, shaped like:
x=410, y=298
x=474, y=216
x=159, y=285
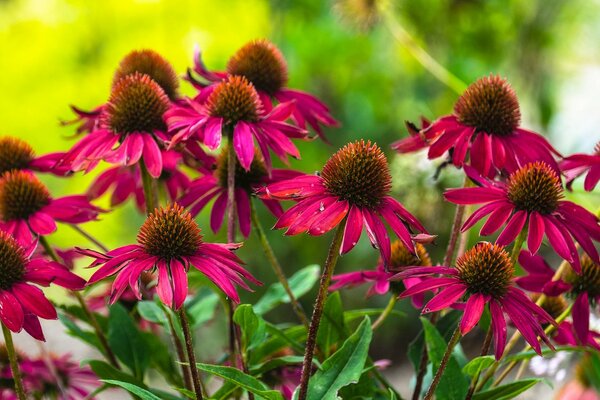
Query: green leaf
x=445, y=325
x=343, y=367
x=242, y=380
x=162, y=359
x=143, y=394
x=74, y=330
x=332, y=327
x=453, y=384
x=352, y=315
x=300, y=283
x=253, y=327
x=126, y=341
x=152, y=312
x=478, y=364
x=526, y=355
x=104, y=370
x=202, y=308
x=508, y=391
x=275, y=363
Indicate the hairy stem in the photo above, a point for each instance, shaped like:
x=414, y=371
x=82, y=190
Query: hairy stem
x=311, y=339
x=110, y=356
x=264, y=241
x=386, y=312
x=185, y=369
x=14, y=365
x=189, y=344
x=440, y=372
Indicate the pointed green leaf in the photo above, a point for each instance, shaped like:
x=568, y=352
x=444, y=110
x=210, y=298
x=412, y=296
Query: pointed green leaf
x=300, y=283
x=126, y=341
x=508, y=391
x=332, y=326
x=138, y=391
x=242, y=380
x=478, y=364
x=253, y=327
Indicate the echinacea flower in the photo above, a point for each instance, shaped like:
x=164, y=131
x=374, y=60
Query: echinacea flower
x=566, y=335
x=60, y=377
x=146, y=62
x=263, y=64
x=170, y=242
x=126, y=182
x=26, y=207
x=483, y=132
x=130, y=128
x=213, y=185
x=579, y=164
x=354, y=184
x=234, y=105
x=483, y=276
x=531, y=199
x=380, y=277
x=21, y=303
x=16, y=154
x=539, y=278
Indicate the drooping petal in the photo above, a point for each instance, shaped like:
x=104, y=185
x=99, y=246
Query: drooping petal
x=581, y=317
x=498, y=327
x=352, y=230
x=180, y=283
x=472, y=313
x=513, y=228
x=445, y=298
x=243, y=143
x=11, y=312
x=164, y=289
x=535, y=233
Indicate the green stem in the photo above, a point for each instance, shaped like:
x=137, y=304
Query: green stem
x=311, y=340
x=189, y=344
x=14, y=365
x=185, y=369
x=426, y=60
x=484, y=350
x=518, y=245
x=438, y=375
x=110, y=356
x=149, y=192
x=386, y=312
x=276, y=266
x=89, y=237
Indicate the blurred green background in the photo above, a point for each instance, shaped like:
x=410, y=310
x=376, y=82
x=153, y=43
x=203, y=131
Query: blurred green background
x=54, y=53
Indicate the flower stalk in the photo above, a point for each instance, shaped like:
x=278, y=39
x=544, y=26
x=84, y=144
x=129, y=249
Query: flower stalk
x=14, y=365
x=149, y=192
x=438, y=375
x=311, y=340
x=189, y=344
x=484, y=350
x=386, y=313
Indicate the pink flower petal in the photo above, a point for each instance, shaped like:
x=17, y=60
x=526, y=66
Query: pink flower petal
x=353, y=229
x=513, y=228
x=33, y=300
x=152, y=156
x=536, y=232
x=11, y=312
x=472, y=313
x=42, y=223
x=581, y=317
x=180, y=283
x=498, y=327
x=243, y=143
x=445, y=298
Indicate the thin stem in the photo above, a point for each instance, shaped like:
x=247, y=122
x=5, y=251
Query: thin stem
x=517, y=246
x=231, y=165
x=264, y=241
x=14, y=365
x=386, y=312
x=438, y=375
x=311, y=339
x=110, y=356
x=549, y=329
x=149, y=193
x=185, y=369
x=427, y=61
x=454, y=234
x=190, y=353
x=89, y=237
x=484, y=350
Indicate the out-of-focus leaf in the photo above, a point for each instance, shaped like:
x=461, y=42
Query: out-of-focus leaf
x=142, y=393
x=253, y=327
x=332, y=327
x=162, y=359
x=242, y=380
x=126, y=341
x=508, y=391
x=202, y=308
x=353, y=315
x=74, y=330
x=453, y=384
x=445, y=325
x=300, y=283
x=104, y=370
x=478, y=364
x=152, y=312
x=275, y=363
x=344, y=367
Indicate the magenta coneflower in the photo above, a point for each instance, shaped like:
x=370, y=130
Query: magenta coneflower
x=213, y=185
x=26, y=207
x=21, y=303
x=170, y=242
x=380, y=277
x=58, y=377
x=126, y=182
x=130, y=128
x=263, y=64
x=532, y=197
x=484, y=127
x=483, y=276
x=235, y=104
x=566, y=336
x=539, y=276
x=355, y=183
x=146, y=62
x=579, y=164
x=16, y=154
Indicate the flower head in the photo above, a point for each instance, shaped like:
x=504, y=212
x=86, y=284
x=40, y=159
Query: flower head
x=532, y=199
x=132, y=120
x=170, y=242
x=27, y=208
x=17, y=154
x=150, y=63
x=264, y=66
x=580, y=164
x=362, y=14
x=21, y=303
x=213, y=185
x=354, y=185
x=262, y=63
x=483, y=132
x=234, y=104
x=483, y=276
